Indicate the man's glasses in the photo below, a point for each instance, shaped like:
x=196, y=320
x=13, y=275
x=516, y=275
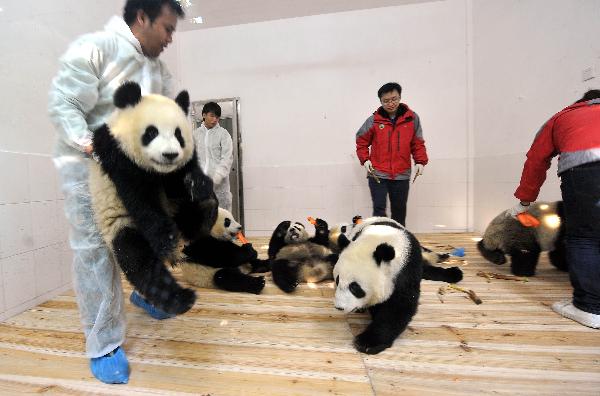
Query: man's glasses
x=391, y=100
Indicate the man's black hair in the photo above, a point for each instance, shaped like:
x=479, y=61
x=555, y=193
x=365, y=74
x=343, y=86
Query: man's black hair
x=212, y=107
x=589, y=95
x=152, y=8
x=389, y=87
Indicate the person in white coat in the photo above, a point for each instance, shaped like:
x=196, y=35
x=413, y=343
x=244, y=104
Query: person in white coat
x=81, y=100
x=215, y=152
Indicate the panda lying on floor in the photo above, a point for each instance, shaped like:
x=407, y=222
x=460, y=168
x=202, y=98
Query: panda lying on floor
x=295, y=258
x=507, y=236
x=380, y=270
x=216, y=261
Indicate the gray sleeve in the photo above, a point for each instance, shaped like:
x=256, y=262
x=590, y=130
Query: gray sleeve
x=365, y=127
x=418, y=129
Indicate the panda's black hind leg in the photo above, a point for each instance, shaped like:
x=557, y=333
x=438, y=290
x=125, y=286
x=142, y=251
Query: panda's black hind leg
x=260, y=265
x=495, y=256
x=148, y=274
x=558, y=257
x=523, y=262
x=450, y=275
x=285, y=275
x=231, y=279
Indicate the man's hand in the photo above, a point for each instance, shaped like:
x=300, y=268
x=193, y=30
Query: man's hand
x=369, y=166
x=418, y=171
x=518, y=208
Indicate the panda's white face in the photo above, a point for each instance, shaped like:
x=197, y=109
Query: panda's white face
x=225, y=227
x=367, y=268
x=296, y=233
x=155, y=134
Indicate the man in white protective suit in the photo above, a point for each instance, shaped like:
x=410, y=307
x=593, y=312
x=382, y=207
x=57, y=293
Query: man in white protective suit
x=215, y=152
x=81, y=100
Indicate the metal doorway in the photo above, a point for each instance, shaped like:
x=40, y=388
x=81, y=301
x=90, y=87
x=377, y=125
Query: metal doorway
x=230, y=120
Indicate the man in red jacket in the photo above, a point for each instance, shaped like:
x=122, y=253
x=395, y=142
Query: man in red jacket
x=574, y=133
x=384, y=146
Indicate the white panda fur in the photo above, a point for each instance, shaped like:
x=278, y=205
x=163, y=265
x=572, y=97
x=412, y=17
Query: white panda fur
x=380, y=270
x=144, y=185
x=505, y=235
x=217, y=262
x=296, y=258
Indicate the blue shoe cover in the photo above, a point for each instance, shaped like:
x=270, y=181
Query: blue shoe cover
x=137, y=300
x=459, y=252
x=112, y=368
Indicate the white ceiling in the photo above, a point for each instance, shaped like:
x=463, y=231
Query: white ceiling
x=236, y=12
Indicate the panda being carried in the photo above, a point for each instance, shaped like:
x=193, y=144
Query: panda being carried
x=148, y=191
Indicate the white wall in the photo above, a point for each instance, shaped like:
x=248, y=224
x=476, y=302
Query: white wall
x=35, y=259
x=528, y=59
x=307, y=84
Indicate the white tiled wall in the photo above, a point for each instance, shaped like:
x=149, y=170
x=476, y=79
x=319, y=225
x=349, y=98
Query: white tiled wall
x=35, y=259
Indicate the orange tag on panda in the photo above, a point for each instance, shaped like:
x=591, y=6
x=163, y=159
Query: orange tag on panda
x=528, y=220
x=241, y=238
x=311, y=220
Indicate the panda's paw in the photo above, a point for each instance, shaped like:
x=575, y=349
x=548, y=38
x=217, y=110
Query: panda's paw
x=256, y=284
x=182, y=301
x=247, y=253
x=260, y=266
x=367, y=343
x=453, y=275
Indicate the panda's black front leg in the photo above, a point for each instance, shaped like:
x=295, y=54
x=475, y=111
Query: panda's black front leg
x=388, y=321
x=231, y=279
x=523, y=262
x=321, y=233
x=148, y=274
x=219, y=254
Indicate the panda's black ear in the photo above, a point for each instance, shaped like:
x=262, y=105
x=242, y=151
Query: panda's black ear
x=343, y=242
x=128, y=94
x=384, y=252
x=183, y=100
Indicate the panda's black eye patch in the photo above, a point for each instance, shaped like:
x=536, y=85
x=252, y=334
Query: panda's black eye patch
x=337, y=280
x=179, y=137
x=343, y=229
x=356, y=290
x=227, y=222
x=149, y=135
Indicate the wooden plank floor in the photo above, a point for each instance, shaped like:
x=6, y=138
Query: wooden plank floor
x=277, y=344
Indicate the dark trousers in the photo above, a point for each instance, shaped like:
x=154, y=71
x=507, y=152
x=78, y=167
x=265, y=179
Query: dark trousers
x=580, y=188
x=398, y=192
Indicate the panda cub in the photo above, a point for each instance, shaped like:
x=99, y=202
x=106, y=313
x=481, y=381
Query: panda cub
x=507, y=236
x=339, y=239
x=148, y=191
x=380, y=270
x=216, y=261
x=295, y=257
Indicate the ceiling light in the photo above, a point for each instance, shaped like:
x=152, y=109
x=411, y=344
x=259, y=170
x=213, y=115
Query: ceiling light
x=197, y=20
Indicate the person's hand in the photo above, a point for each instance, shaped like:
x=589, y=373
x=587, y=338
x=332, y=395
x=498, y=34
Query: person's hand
x=418, y=171
x=518, y=208
x=369, y=166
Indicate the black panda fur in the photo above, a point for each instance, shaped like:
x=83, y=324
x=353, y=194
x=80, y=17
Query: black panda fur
x=380, y=270
x=297, y=258
x=143, y=206
x=506, y=236
x=216, y=261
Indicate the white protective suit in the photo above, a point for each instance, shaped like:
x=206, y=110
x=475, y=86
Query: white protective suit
x=81, y=100
x=215, y=154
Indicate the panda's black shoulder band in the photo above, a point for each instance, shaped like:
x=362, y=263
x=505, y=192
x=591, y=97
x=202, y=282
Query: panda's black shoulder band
x=128, y=94
x=384, y=223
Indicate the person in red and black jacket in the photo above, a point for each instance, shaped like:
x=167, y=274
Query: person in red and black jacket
x=384, y=146
x=574, y=133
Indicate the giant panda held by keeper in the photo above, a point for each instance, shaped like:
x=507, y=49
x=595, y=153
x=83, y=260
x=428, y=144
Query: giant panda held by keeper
x=379, y=270
x=506, y=236
x=216, y=261
x=148, y=191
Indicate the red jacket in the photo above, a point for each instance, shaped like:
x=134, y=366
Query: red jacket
x=391, y=144
x=574, y=133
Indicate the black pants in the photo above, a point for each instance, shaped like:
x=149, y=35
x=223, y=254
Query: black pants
x=398, y=192
x=580, y=188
